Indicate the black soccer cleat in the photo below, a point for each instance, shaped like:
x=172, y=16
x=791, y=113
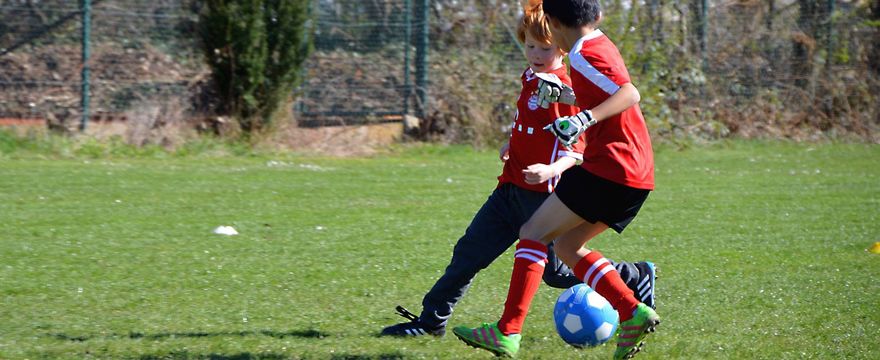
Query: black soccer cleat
x=647, y=283
x=413, y=327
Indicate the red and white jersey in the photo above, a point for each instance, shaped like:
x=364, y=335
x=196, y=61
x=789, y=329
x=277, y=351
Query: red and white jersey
x=619, y=147
x=529, y=142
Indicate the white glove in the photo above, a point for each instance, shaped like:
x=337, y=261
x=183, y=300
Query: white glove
x=551, y=89
x=569, y=128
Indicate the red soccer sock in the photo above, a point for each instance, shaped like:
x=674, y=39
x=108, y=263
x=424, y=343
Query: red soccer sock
x=598, y=273
x=528, y=267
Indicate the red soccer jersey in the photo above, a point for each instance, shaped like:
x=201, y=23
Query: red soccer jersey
x=529, y=142
x=619, y=147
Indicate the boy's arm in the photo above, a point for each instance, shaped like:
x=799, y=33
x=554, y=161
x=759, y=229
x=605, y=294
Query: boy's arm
x=563, y=163
x=568, y=128
x=623, y=99
x=504, y=152
x=540, y=173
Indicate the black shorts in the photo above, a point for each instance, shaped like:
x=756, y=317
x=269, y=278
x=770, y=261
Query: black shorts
x=596, y=199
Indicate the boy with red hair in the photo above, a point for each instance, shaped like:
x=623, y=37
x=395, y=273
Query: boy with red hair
x=533, y=160
x=605, y=191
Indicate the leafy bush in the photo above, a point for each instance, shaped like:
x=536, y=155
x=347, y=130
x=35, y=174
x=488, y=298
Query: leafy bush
x=256, y=49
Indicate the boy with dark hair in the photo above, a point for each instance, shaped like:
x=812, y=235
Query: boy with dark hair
x=605, y=191
x=533, y=160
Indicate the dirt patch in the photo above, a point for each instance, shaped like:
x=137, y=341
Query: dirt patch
x=350, y=140
x=33, y=122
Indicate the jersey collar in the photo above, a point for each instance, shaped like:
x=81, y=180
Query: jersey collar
x=529, y=74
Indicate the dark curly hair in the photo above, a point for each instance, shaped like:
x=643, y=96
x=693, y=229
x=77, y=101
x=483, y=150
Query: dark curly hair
x=573, y=13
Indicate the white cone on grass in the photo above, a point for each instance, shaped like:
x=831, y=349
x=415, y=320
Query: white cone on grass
x=225, y=230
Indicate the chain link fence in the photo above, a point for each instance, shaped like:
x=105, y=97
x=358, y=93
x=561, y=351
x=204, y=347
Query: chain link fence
x=139, y=52
x=454, y=64
x=368, y=64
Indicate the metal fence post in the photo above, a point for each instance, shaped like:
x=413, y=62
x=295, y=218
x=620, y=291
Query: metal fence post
x=86, y=34
x=704, y=33
x=422, y=60
x=407, y=36
x=829, y=49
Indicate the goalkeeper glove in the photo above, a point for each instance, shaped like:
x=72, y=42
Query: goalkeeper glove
x=551, y=89
x=569, y=128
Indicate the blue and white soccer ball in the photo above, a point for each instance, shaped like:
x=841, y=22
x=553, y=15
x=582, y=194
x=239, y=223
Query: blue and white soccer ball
x=583, y=317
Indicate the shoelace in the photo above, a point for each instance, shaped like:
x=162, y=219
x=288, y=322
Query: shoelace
x=402, y=311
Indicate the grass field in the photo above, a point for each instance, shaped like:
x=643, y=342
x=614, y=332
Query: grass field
x=761, y=246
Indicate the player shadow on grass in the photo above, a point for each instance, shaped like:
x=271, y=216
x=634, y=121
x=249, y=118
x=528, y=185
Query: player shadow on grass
x=181, y=355
x=188, y=356
x=262, y=356
x=310, y=333
x=368, y=357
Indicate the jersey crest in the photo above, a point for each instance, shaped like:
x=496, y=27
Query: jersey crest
x=533, y=101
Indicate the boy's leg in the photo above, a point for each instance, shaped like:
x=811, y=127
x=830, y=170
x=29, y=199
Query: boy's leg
x=645, y=283
x=640, y=277
x=636, y=318
x=528, y=267
x=560, y=276
x=486, y=238
x=551, y=219
x=503, y=337
x=492, y=338
x=556, y=273
x=629, y=273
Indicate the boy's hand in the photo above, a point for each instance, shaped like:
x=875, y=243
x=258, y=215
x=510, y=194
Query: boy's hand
x=569, y=128
x=538, y=173
x=504, y=153
x=551, y=89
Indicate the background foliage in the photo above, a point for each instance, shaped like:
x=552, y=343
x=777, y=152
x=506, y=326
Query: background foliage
x=799, y=69
x=256, y=49
x=774, y=69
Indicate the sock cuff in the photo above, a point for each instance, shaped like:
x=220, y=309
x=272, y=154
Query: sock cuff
x=531, y=251
x=583, y=265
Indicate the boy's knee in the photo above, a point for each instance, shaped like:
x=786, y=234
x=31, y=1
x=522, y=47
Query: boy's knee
x=566, y=251
x=469, y=262
x=529, y=231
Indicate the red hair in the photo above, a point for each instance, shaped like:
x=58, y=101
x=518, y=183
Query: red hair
x=534, y=23
x=528, y=5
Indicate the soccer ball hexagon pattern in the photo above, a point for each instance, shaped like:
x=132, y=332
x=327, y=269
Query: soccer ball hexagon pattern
x=583, y=317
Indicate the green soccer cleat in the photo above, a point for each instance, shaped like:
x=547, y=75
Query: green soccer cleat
x=633, y=331
x=487, y=336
